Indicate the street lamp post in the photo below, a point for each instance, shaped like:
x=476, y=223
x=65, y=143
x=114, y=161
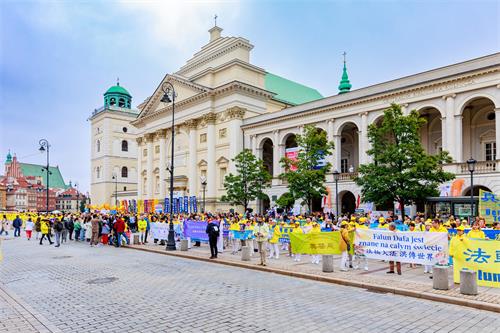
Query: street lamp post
x=115, y=177
x=471, y=164
x=77, y=198
x=336, y=174
x=44, y=147
x=169, y=96
x=204, y=186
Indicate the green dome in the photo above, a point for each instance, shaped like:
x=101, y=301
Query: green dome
x=9, y=158
x=117, y=96
x=117, y=90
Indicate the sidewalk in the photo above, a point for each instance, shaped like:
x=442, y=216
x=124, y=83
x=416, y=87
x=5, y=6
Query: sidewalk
x=413, y=282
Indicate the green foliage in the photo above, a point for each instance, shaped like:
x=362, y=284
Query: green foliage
x=306, y=182
x=285, y=201
x=249, y=182
x=401, y=169
x=82, y=205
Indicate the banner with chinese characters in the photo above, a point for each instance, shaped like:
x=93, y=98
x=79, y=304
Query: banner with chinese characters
x=482, y=256
x=489, y=207
x=425, y=248
x=315, y=243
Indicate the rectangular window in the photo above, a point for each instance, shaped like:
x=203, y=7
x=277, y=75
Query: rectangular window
x=145, y=152
x=157, y=149
x=203, y=137
x=223, y=172
x=222, y=133
x=343, y=165
x=490, y=151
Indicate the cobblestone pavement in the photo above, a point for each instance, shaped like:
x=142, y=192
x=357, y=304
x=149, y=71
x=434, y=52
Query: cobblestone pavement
x=412, y=278
x=82, y=289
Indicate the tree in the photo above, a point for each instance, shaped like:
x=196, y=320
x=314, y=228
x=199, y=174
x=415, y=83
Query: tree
x=285, y=201
x=401, y=170
x=249, y=182
x=304, y=175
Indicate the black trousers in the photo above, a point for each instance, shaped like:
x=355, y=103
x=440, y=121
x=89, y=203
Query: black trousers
x=70, y=232
x=212, y=240
x=43, y=236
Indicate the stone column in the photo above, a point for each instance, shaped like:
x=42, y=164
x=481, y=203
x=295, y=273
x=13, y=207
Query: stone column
x=497, y=133
x=211, y=172
x=363, y=138
x=458, y=138
x=139, y=141
x=450, y=130
x=149, y=166
x=405, y=109
x=193, y=155
x=330, y=138
x=235, y=115
x=337, y=153
x=276, y=157
x=253, y=139
x=161, y=136
x=444, y=138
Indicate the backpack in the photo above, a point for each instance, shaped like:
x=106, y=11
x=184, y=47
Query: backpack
x=58, y=226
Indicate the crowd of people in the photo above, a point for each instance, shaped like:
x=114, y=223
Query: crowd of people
x=263, y=234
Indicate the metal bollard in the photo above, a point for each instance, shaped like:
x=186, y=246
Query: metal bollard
x=440, y=278
x=184, y=244
x=245, y=253
x=135, y=239
x=468, y=282
x=327, y=263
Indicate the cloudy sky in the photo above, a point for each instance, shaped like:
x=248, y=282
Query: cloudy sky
x=57, y=58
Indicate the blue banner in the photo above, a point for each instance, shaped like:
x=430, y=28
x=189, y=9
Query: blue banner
x=167, y=205
x=196, y=230
x=194, y=209
x=247, y=234
x=181, y=204
x=186, y=205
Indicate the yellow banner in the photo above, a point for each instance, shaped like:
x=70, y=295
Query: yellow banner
x=489, y=206
x=316, y=243
x=482, y=256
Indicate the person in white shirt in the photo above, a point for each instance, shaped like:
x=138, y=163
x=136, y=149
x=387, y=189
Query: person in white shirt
x=28, y=228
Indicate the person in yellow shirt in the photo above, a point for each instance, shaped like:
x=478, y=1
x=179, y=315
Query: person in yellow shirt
x=382, y=223
x=344, y=245
x=273, y=242
x=362, y=223
x=141, y=226
x=234, y=227
x=297, y=230
x=476, y=232
x=437, y=226
x=316, y=229
x=456, y=242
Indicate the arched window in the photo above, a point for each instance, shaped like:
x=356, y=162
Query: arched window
x=98, y=146
x=124, y=145
x=112, y=101
x=124, y=172
x=98, y=172
x=121, y=102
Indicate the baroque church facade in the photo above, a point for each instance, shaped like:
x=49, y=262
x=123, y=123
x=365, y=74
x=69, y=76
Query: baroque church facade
x=224, y=104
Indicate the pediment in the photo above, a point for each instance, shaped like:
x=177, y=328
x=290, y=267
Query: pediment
x=222, y=160
x=184, y=89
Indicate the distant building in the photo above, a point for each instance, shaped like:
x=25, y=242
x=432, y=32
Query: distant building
x=69, y=200
x=23, y=186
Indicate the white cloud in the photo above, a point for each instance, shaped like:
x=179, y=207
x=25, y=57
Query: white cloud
x=179, y=24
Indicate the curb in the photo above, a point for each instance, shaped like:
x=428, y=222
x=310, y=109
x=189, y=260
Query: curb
x=349, y=283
